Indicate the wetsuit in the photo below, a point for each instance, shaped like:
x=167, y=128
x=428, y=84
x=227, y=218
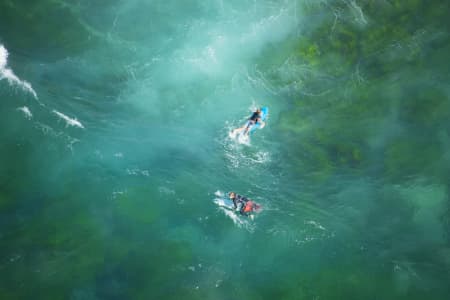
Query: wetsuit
x=243, y=201
x=253, y=119
x=239, y=199
x=254, y=116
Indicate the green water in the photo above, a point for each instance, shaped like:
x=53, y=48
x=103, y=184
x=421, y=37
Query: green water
x=115, y=118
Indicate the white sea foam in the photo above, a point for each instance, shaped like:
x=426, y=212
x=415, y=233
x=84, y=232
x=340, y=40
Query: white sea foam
x=8, y=74
x=260, y=157
x=138, y=172
x=26, y=111
x=69, y=121
x=3, y=57
x=49, y=131
x=315, y=224
x=118, y=155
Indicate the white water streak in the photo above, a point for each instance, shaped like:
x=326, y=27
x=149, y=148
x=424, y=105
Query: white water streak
x=26, y=112
x=8, y=74
x=357, y=11
x=69, y=121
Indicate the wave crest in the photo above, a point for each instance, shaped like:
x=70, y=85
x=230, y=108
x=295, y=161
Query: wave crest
x=8, y=74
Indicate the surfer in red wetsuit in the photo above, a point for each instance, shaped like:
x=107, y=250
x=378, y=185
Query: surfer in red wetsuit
x=246, y=205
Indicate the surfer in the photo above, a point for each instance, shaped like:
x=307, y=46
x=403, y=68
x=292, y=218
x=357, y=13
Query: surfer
x=254, y=119
x=246, y=206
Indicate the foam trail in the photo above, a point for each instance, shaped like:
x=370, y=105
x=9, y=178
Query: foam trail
x=26, y=111
x=69, y=121
x=9, y=75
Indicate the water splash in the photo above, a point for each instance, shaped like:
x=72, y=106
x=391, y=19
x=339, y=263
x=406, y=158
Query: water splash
x=233, y=146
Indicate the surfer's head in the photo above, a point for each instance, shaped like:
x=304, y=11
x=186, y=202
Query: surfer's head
x=232, y=195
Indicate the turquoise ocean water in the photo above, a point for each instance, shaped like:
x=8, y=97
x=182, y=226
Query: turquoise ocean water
x=114, y=145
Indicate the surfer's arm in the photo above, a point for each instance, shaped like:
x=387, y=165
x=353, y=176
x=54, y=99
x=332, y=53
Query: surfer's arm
x=234, y=203
x=261, y=124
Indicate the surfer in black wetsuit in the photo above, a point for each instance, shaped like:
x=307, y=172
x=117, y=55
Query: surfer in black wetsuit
x=247, y=206
x=254, y=118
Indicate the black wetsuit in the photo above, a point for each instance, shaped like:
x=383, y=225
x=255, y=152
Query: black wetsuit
x=253, y=120
x=242, y=200
x=254, y=116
